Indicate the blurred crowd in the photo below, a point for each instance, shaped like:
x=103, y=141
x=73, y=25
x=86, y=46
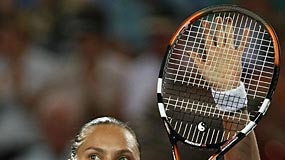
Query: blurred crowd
x=64, y=62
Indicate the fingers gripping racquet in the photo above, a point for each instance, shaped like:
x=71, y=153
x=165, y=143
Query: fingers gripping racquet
x=217, y=78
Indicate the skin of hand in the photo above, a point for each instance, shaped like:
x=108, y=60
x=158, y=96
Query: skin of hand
x=247, y=148
x=222, y=66
x=108, y=142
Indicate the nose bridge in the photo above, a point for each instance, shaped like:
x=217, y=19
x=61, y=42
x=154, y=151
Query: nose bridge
x=109, y=156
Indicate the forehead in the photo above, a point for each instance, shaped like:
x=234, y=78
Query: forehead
x=110, y=130
x=110, y=136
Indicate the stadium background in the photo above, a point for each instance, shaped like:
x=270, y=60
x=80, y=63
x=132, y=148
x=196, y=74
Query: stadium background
x=63, y=62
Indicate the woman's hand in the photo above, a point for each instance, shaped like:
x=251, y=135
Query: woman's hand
x=222, y=66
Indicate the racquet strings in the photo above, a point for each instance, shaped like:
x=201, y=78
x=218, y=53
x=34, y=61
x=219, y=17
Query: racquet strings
x=187, y=96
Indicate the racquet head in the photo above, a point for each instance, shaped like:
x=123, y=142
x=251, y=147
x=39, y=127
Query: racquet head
x=218, y=77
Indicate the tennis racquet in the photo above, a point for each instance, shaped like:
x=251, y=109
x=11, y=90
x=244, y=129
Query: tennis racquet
x=217, y=78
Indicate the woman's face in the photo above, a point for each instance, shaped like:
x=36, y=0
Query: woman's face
x=108, y=142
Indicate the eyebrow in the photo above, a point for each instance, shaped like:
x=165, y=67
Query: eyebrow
x=95, y=148
x=123, y=151
x=119, y=152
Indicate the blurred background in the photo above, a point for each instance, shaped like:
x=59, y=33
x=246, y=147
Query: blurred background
x=65, y=62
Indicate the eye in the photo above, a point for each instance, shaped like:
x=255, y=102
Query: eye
x=123, y=158
x=94, y=157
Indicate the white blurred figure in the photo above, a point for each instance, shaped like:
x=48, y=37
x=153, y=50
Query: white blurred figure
x=96, y=65
x=142, y=74
x=21, y=73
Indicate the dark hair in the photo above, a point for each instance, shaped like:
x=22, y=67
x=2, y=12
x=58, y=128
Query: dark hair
x=79, y=139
